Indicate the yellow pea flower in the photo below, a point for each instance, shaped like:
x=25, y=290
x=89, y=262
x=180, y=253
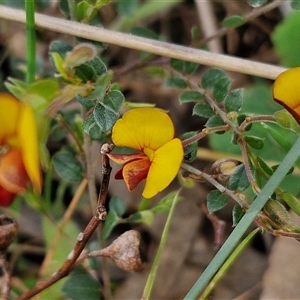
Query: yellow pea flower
x=286, y=91
x=150, y=131
x=19, y=157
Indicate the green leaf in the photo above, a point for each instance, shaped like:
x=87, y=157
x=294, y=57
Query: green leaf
x=112, y=219
x=211, y=76
x=156, y=71
x=176, y=82
x=127, y=7
x=216, y=200
x=64, y=8
x=85, y=72
x=241, y=118
x=286, y=120
x=118, y=205
x=87, y=102
x=233, y=101
x=84, y=10
x=60, y=47
x=99, y=66
x=67, y=166
x=113, y=101
x=286, y=40
x=234, y=21
x=295, y=4
x=254, y=142
x=221, y=88
x=257, y=3
x=238, y=180
x=237, y=214
x=89, y=123
x=264, y=166
x=47, y=88
x=145, y=216
x=190, y=96
x=165, y=204
x=203, y=110
x=190, y=151
x=214, y=121
x=291, y=201
x=105, y=118
x=291, y=170
x=17, y=87
x=185, y=67
x=285, y=143
x=101, y=86
x=81, y=286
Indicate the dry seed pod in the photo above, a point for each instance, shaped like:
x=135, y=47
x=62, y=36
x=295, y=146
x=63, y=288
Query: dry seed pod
x=125, y=251
x=8, y=231
x=223, y=168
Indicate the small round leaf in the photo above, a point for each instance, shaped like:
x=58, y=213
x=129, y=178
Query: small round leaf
x=216, y=200
x=68, y=166
x=203, y=110
x=211, y=77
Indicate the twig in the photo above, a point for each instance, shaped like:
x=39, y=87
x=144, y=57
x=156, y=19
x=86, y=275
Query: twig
x=144, y=44
x=203, y=133
x=83, y=237
x=252, y=119
x=208, y=23
x=218, y=225
x=199, y=175
x=248, y=17
x=8, y=232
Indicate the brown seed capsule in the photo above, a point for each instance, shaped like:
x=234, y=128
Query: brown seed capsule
x=223, y=168
x=125, y=251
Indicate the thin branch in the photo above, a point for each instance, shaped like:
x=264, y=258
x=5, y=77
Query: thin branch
x=248, y=17
x=144, y=44
x=207, y=19
x=83, y=237
x=199, y=175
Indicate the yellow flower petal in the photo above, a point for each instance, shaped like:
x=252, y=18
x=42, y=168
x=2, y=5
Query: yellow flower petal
x=28, y=139
x=9, y=114
x=164, y=167
x=286, y=91
x=141, y=128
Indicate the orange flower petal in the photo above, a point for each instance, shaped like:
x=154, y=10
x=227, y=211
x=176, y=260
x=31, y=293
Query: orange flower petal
x=13, y=176
x=125, y=158
x=135, y=171
x=164, y=167
x=286, y=91
x=141, y=128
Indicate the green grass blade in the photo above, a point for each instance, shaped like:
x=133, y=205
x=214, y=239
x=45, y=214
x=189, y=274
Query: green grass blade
x=163, y=240
x=30, y=41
